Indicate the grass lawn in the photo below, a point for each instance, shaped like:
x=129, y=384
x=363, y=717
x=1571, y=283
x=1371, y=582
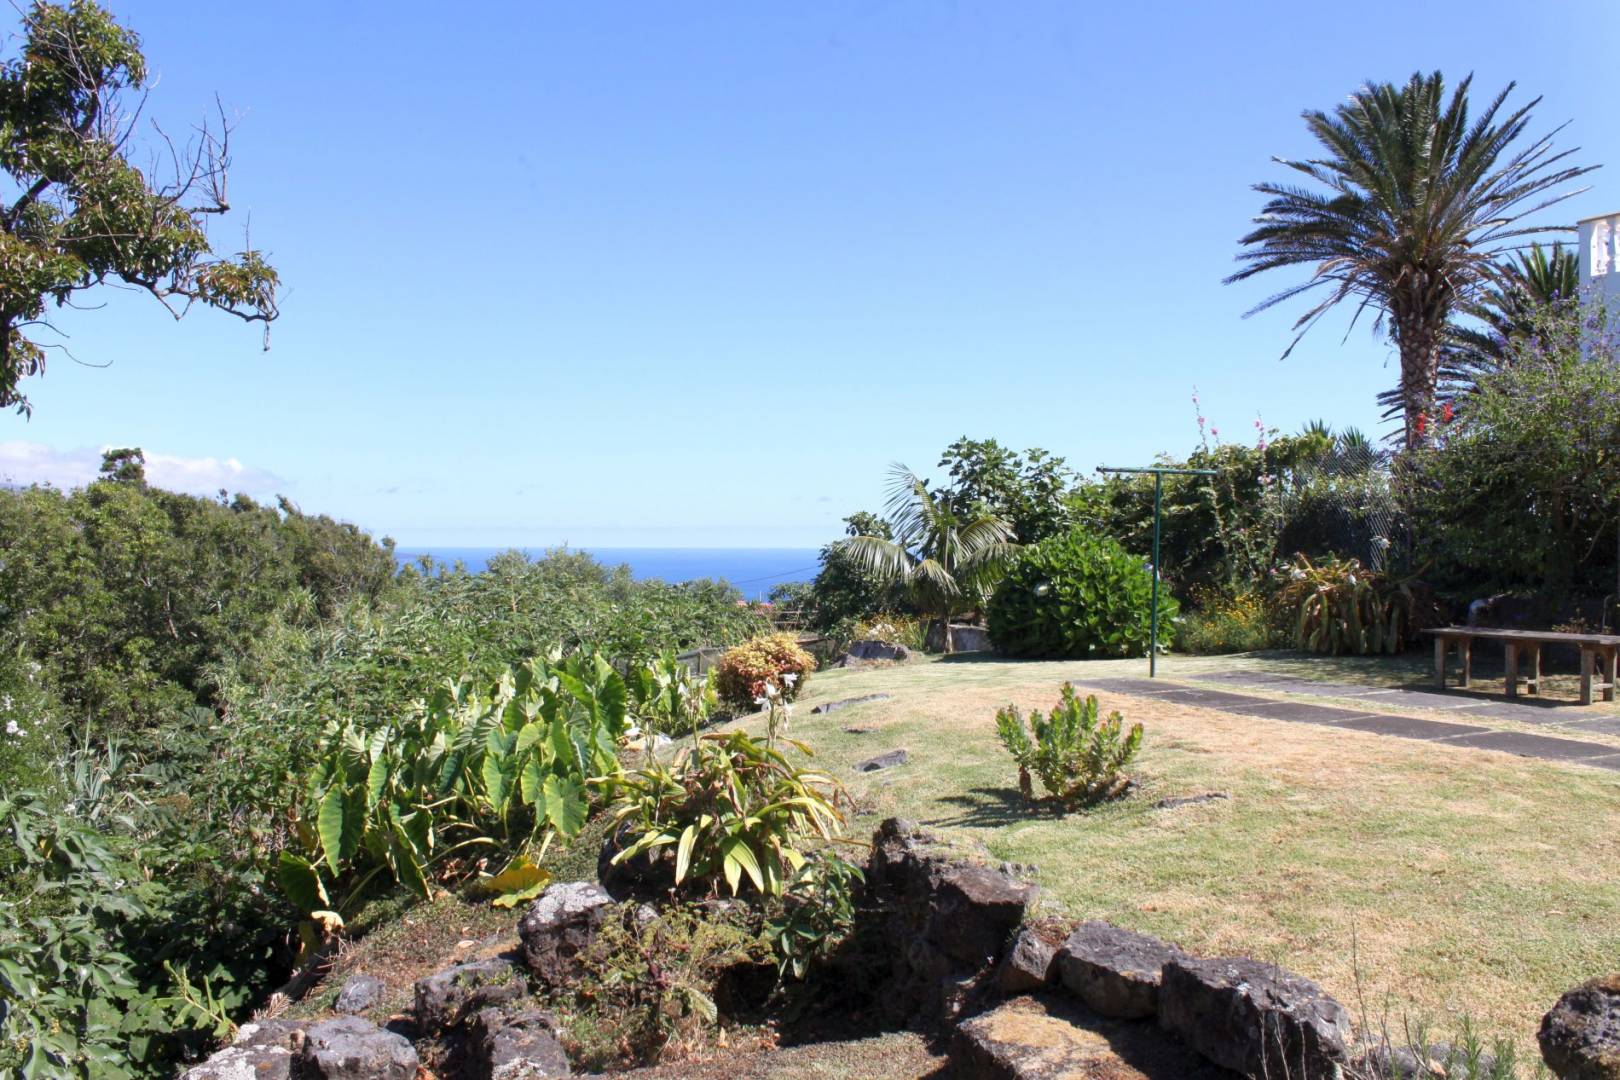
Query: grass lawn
x=1434, y=881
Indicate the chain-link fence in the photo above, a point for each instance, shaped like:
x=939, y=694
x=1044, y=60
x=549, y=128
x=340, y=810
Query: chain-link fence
x=1345, y=501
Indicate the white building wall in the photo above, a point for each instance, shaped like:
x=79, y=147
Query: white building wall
x=1599, y=252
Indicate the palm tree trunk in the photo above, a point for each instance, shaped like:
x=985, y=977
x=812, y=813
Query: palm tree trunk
x=945, y=633
x=1420, y=370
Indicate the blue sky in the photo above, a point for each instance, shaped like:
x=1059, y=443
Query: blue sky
x=695, y=274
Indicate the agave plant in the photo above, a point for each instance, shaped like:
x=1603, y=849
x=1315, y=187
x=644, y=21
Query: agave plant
x=1341, y=606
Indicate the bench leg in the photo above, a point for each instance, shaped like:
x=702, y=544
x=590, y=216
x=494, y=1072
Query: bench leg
x=1466, y=647
x=1532, y=682
x=1586, y=674
x=1440, y=662
x=1609, y=657
x=1510, y=651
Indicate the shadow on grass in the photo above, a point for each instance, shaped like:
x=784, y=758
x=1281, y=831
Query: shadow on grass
x=989, y=808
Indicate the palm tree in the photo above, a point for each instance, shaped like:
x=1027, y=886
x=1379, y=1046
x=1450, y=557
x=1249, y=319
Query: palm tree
x=947, y=555
x=1505, y=310
x=1420, y=205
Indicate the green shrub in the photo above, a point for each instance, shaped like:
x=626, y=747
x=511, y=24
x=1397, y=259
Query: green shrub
x=818, y=913
x=1077, y=595
x=1076, y=755
x=1339, y=606
x=474, y=769
x=734, y=808
x=1226, y=623
x=743, y=672
x=669, y=698
x=645, y=984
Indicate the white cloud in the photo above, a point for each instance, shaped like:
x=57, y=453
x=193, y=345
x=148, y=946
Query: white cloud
x=35, y=463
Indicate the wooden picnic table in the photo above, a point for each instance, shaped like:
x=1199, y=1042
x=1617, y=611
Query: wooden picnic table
x=1599, y=653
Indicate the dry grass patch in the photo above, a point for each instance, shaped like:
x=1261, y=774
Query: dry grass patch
x=1458, y=881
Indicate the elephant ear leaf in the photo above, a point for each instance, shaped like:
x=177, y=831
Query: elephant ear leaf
x=497, y=782
x=330, y=825
x=301, y=883
x=406, y=867
x=566, y=805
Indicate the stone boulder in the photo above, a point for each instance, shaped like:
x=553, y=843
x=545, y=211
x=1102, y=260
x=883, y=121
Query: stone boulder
x=516, y=1046
x=449, y=998
x=1044, y=1038
x=844, y=703
x=1580, y=1036
x=1030, y=965
x=883, y=761
x=1254, y=1018
x=975, y=910
x=261, y=1051
x=965, y=638
x=354, y=1049
x=559, y=926
x=1115, y=972
x=360, y=993
x=944, y=921
x=878, y=650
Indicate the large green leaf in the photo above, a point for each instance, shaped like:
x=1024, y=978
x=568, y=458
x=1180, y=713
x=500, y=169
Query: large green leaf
x=329, y=824
x=301, y=884
x=532, y=779
x=376, y=780
x=497, y=782
x=406, y=865
x=738, y=855
x=566, y=805
x=683, y=853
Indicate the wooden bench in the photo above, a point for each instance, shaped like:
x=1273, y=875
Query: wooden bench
x=1599, y=653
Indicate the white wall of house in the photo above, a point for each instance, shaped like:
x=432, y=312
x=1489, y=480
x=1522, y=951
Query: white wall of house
x=1600, y=257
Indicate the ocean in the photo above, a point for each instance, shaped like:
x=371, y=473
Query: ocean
x=753, y=570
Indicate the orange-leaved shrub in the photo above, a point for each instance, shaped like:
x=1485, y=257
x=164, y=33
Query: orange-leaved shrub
x=744, y=670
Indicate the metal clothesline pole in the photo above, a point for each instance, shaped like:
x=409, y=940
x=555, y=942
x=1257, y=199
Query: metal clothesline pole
x=1158, y=473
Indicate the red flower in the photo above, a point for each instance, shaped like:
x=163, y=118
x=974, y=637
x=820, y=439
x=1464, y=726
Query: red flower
x=1422, y=424
x=1446, y=413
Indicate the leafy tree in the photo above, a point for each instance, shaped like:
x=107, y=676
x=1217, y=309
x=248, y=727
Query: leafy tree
x=1420, y=204
x=1515, y=494
x=127, y=594
x=126, y=466
x=1025, y=490
x=82, y=213
x=947, y=556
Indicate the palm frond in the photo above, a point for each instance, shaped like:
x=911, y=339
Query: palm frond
x=883, y=559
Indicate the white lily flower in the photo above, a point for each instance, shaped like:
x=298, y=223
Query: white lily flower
x=790, y=678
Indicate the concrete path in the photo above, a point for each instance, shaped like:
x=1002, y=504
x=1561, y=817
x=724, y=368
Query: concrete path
x=1369, y=719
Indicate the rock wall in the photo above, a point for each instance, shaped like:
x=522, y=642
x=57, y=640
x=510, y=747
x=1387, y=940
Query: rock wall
x=959, y=952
